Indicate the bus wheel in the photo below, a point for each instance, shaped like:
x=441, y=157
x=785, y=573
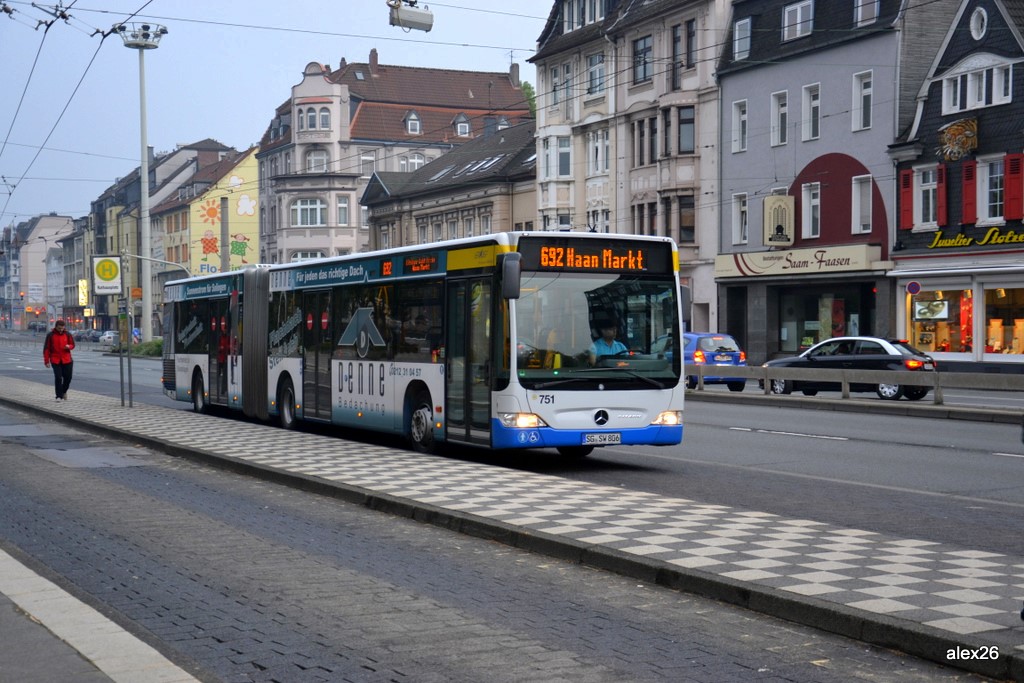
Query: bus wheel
x=575, y=451
x=199, y=404
x=286, y=405
x=421, y=432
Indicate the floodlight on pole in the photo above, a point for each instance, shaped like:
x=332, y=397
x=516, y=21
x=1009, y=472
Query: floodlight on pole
x=142, y=37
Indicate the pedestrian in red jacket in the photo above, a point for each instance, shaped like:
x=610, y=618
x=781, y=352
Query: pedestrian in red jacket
x=57, y=354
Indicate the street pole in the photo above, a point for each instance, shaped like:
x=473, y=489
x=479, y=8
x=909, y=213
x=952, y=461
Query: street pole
x=143, y=37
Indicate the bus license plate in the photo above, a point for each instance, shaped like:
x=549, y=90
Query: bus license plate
x=602, y=439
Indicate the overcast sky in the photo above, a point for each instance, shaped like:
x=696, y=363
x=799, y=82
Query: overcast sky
x=69, y=99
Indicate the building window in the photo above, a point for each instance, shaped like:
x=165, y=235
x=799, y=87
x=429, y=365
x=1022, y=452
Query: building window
x=597, y=153
x=687, y=220
x=412, y=125
x=652, y=138
x=677, y=57
x=342, y=210
x=741, y=39
x=485, y=224
x=642, y=63
x=739, y=218
x=739, y=126
x=367, y=164
x=462, y=129
x=302, y=120
x=797, y=20
x=639, y=134
x=325, y=118
x=976, y=89
x=811, y=225
x=811, y=128
x=861, y=218
x=308, y=213
x=555, y=85
x=687, y=130
x=416, y=161
x=865, y=12
x=928, y=197
x=691, y=43
x=468, y=221
x=990, y=191
x=453, y=230
x=311, y=118
x=316, y=161
x=780, y=117
x=564, y=157
x=862, y=94
x=421, y=233
x=567, y=88
x=595, y=74
x=306, y=255
x=979, y=23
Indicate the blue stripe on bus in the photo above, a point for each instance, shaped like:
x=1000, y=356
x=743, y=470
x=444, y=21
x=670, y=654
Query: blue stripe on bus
x=545, y=437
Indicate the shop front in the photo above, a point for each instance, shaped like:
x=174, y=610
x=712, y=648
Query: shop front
x=964, y=309
x=779, y=303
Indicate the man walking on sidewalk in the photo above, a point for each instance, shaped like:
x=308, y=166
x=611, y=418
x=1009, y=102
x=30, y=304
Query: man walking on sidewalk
x=57, y=354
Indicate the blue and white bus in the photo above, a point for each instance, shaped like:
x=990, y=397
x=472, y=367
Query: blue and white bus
x=490, y=341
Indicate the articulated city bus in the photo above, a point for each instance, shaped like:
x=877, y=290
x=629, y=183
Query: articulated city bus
x=494, y=341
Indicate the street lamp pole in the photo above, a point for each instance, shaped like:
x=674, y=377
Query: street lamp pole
x=143, y=37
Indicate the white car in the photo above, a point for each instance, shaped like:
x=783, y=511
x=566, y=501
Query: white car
x=109, y=337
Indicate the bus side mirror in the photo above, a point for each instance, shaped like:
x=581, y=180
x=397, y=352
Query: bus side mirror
x=511, y=271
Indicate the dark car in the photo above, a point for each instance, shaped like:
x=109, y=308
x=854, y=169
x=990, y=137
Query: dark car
x=717, y=350
x=855, y=353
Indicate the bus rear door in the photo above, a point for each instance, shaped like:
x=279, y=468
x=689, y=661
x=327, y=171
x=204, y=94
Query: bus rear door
x=317, y=347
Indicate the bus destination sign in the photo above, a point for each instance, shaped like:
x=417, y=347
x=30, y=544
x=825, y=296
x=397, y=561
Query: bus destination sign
x=421, y=263
x=580, y=256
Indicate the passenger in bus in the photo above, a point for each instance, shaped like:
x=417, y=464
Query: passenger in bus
x=607, y=344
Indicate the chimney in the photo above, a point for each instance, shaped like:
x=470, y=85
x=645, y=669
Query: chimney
x=342, y=64
x=513, y=74
x=373, y=62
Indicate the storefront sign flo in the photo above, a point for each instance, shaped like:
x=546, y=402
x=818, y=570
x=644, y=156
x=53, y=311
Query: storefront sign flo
x=993, y=236
x=796, y=261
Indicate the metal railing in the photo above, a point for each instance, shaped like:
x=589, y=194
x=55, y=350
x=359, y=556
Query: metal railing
x=935, y=381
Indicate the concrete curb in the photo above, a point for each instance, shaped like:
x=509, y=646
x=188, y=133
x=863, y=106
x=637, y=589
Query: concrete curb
x=876, y=629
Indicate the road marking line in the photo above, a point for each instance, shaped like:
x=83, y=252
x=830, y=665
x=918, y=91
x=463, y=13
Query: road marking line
x=806, y=436
x=1010, y=455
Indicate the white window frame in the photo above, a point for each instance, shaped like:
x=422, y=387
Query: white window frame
x=412, y=125
x=974, y=85
x=739, y=126
x=306, y=255
x=797, y=20
x=865, y=12
x=780, y=117
x=325, y=118
x=462, y=129
x=595, y=73
x=343, y=214
x=311, y=118
x=811, y=114
x=564, y=153
x=740, y=218
x=863, y=100
x=926, y=184
x=367, y=162
x=860, y=205
x=309, y=213
x=810, y=225
x=643, y=70
x=987, y=216
x=317, y=161
x=741, y=39
x=416, y=161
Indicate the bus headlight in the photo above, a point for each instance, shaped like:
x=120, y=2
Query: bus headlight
x=521, y=420
x=669, y=418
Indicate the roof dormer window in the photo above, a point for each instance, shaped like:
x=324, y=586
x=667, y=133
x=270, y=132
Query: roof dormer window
x=412, y=124
x=462, y=128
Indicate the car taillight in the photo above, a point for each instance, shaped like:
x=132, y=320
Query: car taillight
x=698, y=357
x=913, y=364
x=743, y=356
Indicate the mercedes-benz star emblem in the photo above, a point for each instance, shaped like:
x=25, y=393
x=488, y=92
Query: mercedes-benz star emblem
x=601, y=417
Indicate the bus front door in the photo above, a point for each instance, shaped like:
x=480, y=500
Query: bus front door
x=317, y=347
x=468, y=358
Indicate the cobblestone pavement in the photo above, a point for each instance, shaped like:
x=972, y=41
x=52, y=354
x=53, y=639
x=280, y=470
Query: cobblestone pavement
x=925, y=598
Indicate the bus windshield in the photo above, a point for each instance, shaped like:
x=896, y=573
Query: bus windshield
x=577, y=330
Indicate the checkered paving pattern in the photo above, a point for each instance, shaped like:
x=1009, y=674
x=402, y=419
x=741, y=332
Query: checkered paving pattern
x=964, y=592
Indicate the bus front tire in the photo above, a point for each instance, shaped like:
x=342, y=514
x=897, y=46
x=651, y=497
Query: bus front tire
x=421, y=417
x=199, y=404
x=286, y=405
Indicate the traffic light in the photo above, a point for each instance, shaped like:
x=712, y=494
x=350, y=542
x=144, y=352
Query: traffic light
x=22, y=294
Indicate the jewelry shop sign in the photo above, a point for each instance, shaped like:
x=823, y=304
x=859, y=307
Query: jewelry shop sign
x=798, y=261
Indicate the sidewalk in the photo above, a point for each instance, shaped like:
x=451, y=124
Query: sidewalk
x=956, y=606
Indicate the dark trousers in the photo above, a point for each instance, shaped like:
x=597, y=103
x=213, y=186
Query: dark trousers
x=62, y=377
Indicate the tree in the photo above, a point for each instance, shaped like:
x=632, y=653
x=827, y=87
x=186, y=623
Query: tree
x=531, y=97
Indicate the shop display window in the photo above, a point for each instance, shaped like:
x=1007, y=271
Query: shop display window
x=942, y=320
x=1004, y=320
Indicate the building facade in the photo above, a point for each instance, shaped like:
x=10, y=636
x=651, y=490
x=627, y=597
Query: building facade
x=627, y=123
x=813, y=93
x=339, y=127
x=960, y=233
x=483, y=186
x=26, y=264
